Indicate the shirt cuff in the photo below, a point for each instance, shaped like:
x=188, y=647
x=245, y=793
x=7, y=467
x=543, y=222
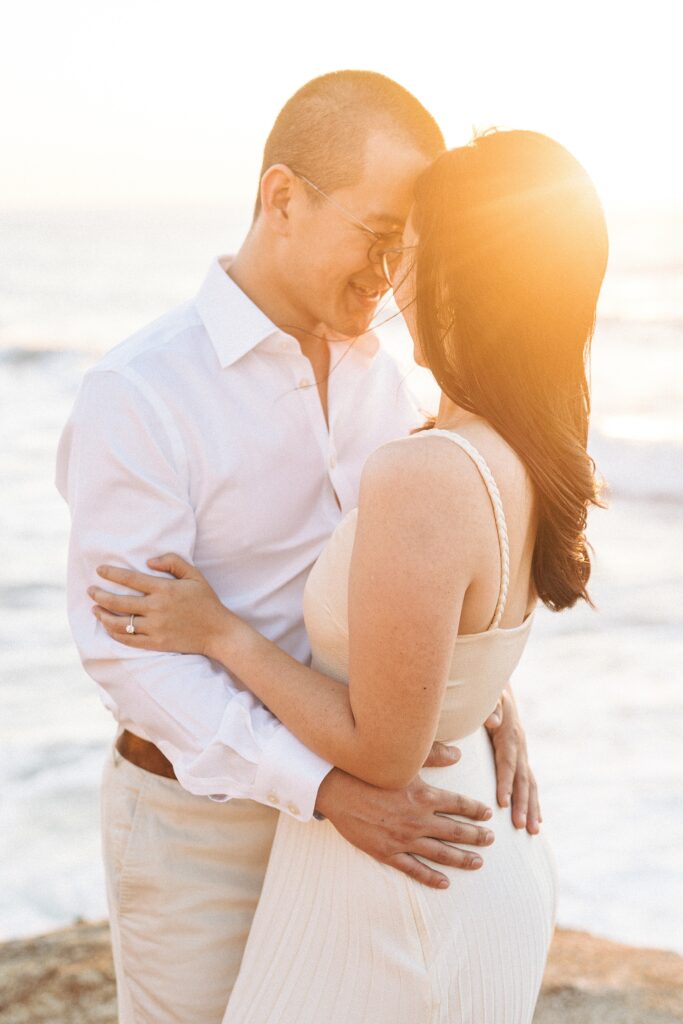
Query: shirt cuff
x=288, y=775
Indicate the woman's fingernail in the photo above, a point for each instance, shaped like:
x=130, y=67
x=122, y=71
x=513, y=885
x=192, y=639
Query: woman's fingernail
x=476, y=862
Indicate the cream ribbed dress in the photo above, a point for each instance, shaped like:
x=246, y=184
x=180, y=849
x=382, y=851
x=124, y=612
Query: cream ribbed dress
x=339, y=938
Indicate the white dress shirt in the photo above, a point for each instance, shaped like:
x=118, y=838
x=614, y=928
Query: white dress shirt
x=204, y=434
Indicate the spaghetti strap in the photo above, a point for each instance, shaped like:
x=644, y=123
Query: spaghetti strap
x=498, y=513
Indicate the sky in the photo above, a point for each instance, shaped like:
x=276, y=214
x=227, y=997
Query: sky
x=141, y=101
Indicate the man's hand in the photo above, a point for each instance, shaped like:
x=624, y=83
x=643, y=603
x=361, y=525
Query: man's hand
x=396, y=827
x=514, y=777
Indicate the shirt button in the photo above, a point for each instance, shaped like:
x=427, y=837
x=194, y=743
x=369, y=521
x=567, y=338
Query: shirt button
x=273, y=798
x=293, y=808
x=304, y=382
x=333, y=460
x=284, y=345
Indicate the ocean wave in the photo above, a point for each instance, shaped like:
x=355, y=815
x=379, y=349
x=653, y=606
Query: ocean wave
x=640, y=469
x=28, y=595
x=52, y=767
x=18, y=355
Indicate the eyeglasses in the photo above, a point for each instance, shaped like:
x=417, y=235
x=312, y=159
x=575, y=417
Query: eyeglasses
x=383, y=252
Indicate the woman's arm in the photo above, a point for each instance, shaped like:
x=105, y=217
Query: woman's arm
x=412, y=561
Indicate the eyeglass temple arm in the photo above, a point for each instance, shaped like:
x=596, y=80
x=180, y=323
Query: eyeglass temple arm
x=339, y=207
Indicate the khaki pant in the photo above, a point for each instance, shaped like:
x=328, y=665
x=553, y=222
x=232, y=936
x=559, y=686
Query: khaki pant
x=184, y=876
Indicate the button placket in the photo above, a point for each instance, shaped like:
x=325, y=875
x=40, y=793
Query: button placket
x=311, y=401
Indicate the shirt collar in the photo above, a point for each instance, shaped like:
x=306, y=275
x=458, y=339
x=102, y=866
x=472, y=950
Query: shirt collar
x=236, y=325
x=233, y=322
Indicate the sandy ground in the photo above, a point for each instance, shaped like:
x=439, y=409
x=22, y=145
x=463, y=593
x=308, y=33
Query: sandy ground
x=66, y=977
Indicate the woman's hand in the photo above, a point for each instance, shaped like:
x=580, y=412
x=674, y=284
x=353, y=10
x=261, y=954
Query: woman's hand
x=182, y=614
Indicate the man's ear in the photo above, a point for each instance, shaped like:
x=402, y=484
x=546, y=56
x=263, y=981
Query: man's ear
x=277, y=187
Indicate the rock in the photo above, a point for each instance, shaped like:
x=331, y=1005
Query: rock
x=594, y=981
x=67, y=977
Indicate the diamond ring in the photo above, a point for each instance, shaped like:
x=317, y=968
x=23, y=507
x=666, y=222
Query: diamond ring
x=130, y=628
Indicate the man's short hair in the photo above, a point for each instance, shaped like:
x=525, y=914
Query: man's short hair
x=321, y=132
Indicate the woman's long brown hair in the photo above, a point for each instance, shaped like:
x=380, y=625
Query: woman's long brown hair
x=512, y=253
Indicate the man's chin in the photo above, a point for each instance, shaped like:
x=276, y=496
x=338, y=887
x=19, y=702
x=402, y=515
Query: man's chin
x=351, y=328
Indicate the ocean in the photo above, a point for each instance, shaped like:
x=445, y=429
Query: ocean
x=600, y=691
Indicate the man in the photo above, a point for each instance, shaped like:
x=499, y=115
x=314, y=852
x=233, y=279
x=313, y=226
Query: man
x=233, y=431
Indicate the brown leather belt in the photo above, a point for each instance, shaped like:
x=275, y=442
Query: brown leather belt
x=144, y=754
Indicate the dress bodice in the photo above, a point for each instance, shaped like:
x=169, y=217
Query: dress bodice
x=481, y=664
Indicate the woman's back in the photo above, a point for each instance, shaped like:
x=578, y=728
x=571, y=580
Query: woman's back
x=483, y=657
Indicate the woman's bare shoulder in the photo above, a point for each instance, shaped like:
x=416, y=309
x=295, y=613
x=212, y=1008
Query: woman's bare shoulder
x=423, y=470
x=429, y=468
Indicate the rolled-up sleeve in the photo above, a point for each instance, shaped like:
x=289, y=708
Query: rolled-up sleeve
x=121, y=468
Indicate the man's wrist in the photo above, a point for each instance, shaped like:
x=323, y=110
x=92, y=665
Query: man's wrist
x=322, y=801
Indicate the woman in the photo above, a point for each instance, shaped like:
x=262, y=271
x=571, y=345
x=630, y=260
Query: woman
x=419, y=607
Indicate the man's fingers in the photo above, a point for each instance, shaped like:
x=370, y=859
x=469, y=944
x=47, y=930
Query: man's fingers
x=520, y=798
x=445, y=802
x=506, y=764
x=449, y=830
x=414, y=868
x=534, y=812
x=441, y=755
x=495, y=719
x=450, y=856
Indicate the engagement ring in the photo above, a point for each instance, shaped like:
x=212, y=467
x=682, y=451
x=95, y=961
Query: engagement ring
x=130, y=628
